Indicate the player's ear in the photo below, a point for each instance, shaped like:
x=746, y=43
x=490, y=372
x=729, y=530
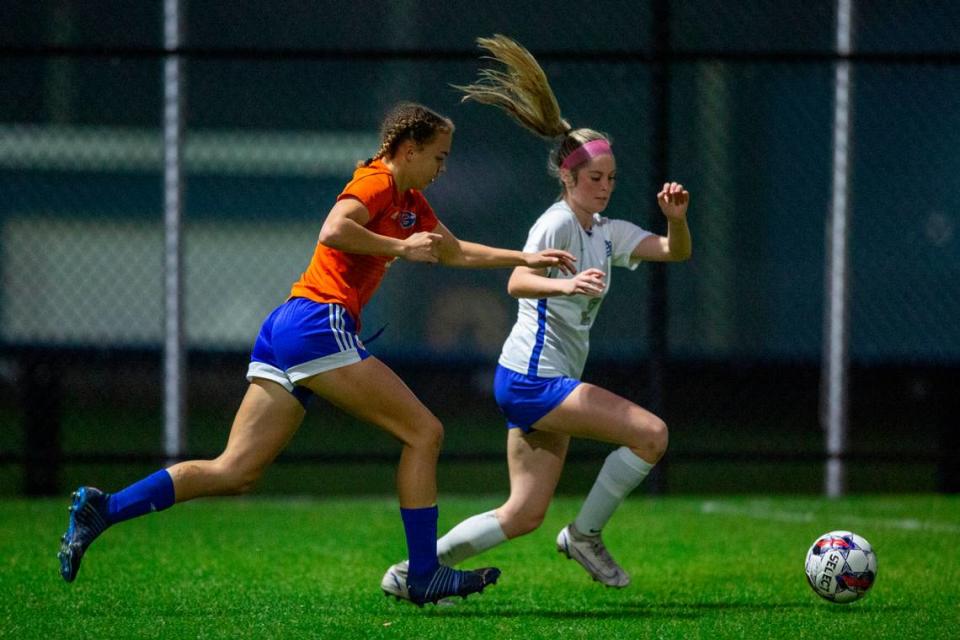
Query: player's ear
x=408, y=148
x=404, y=150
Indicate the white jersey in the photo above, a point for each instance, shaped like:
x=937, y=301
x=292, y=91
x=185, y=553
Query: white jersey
x=552, y=335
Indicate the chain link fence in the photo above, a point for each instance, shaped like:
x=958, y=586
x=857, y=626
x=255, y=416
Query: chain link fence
x=281, y=103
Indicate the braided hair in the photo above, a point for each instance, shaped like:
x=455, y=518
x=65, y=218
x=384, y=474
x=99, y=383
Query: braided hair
x=408, y=121
x=524, y=93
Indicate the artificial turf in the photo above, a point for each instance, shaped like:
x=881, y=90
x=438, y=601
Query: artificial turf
x=262, y=567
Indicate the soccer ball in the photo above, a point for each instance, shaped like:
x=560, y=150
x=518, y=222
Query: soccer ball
x=841, y=566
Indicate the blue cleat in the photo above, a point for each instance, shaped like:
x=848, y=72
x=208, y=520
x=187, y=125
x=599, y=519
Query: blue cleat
x=446, y=582
x=87, y=521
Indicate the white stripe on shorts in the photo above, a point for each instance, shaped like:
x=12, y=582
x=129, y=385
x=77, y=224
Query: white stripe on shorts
x=346, y=335
x=334, y=312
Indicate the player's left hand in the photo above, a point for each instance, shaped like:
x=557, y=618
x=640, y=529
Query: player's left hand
x=673, y=200
x=551, y=258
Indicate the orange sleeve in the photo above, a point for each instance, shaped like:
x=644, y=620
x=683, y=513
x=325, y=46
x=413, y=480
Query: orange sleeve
x=374, y=191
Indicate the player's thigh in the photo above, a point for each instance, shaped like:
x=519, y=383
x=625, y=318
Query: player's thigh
x=593, y=412
x=535, y=461
x=371, y=391
x=267, y=419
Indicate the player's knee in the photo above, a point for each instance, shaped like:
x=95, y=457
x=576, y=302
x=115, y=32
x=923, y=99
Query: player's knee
x=659, y=438
x=519, y=522
x=652, y=440
x=246, y=481
x=529, y=522
x=236, y=478
x=428, y=434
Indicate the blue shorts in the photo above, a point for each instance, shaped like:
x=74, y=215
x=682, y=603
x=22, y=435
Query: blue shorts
x=302, y=338
x=524, y=399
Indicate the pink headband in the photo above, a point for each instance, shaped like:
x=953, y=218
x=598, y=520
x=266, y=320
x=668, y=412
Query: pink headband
x=586, y=151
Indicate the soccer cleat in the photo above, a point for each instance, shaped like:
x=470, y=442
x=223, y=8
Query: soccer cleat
x=443, y=584
x=592, y=555
x=394, y=582
x=87, y=521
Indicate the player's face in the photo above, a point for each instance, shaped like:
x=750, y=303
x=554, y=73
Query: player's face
x=429, y=161
x=595, y=182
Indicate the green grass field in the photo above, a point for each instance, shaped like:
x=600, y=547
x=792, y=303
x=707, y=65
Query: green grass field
x=297, y=568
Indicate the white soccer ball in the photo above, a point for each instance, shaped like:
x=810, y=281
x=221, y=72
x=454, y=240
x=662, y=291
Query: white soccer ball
x=841, y=566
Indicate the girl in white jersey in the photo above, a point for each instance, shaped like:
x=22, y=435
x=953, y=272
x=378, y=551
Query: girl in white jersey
x=537, y=384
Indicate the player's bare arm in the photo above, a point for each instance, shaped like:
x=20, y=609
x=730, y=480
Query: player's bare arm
x=454, y=252
x=344, y=230
x=676, y=246
x=534, y=283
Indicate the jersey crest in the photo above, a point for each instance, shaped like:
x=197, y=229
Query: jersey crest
x=407, y=219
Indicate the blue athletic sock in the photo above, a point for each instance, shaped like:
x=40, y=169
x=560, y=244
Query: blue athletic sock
x=153, y=493
x=420, y=526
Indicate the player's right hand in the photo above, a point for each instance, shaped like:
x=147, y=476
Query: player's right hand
x=422, y=247
x=590, y=282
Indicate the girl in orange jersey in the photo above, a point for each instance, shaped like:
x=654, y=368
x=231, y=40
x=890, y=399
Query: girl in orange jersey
x=310, y=344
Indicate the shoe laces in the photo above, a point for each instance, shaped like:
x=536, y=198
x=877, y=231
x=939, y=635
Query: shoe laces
x=89, y=519
x=600, y=550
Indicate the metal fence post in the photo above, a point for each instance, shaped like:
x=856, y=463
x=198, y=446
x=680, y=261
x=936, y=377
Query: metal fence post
x=173, y=345
x=836, y=317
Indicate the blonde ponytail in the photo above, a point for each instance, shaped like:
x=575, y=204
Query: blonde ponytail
x=521, y=90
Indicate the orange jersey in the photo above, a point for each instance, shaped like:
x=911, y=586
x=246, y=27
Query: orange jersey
x=350, y=278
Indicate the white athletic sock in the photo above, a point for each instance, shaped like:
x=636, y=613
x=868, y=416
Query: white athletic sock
x=474, y=535
x=622, y=472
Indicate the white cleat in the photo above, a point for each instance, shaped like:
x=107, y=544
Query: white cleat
x=592, y=555
x=394, y=582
